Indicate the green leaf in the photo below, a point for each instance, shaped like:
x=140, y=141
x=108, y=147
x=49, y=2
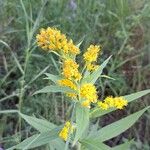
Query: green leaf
x=82, y=121
x=97, y=112
x=13, y=55
x=81, y=41
x=52, y=77
x=96, y=74
x=25, y=143
x=124, y=146
x=39, y=124
x=116, y=128
x=54, y=89
x=8, y=111
x=17, y=62
x=136, y=95
x=37, y=140
x=107, y=77
x=91, y=144
x=57, y=144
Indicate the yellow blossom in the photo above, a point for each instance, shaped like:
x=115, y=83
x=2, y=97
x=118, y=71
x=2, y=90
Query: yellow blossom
x=70, y=70
x=64, y=133
x=91, y=54
x=88, y=92
x=70, y=84
x=110, y=102
x=120, y=102
x=91, y=67
x=72, y=48
x=103, y=106
x=52, y=39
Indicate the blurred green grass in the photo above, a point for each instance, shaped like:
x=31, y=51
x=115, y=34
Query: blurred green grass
x=120, y=26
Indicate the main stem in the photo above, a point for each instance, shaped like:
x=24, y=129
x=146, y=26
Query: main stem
x=22, y=89
x=20, y=101
x=72, y=118
x=78, y=146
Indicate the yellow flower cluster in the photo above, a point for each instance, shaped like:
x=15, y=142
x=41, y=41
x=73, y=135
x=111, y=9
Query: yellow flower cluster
x=88, y=93
x=64, y=133
x=90, y=56
x=92, y=53
x=92, y=67
x=70, y=84
x=70, y=70
x=52, y=39
x=109, y=102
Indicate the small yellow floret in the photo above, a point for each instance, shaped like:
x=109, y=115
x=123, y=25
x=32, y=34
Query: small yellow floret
x=88, y=92
x=70, y=70
x=103, y=106
x=109, y=101
x=70, y=84
x=91, y=67
x=64, y=133
x=91, y=54
x=120, y=102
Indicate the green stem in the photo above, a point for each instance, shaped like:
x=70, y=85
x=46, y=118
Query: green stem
x=21, y=93
x=72, y=117
x=79, y=146
x=22, y=87
x=83, y=70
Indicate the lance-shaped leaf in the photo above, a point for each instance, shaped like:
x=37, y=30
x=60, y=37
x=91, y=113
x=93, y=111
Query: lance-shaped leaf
x=82, y=121
x=39, y=124
x=124, y=146
x=97, y=112
x=37, y=140
x=54, y=89
x=57, y=144
x=91, y=144
x=116, y=128
x=96, y=74
x=52, y=77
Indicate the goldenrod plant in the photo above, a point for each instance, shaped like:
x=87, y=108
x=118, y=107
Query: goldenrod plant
x=77, y=82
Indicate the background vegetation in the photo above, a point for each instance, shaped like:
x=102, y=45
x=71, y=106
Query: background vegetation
x=120, y=26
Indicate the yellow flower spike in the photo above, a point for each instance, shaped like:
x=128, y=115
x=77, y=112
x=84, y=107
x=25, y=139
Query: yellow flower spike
x=91, y=54
x=91, y=67
x=88, y=92
x=51, y=39
x=103, y=106
x=109, y=101
x=72, y=48
x=64, y=133
x=70, y=84
x=120, y=102
x=70, y=70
